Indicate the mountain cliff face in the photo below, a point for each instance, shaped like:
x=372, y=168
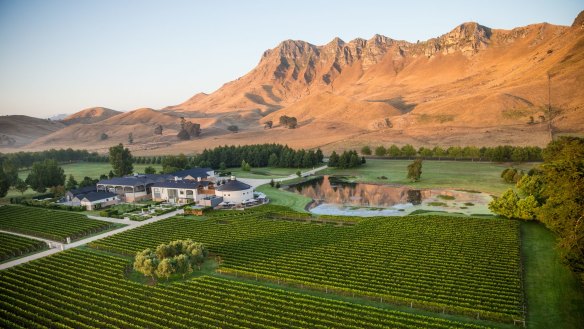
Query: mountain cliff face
x=466, y=66
x=474, y=85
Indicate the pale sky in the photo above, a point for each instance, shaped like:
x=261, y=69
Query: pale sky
x=61, y=56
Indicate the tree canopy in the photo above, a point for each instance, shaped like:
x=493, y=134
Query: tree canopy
x=554, y=195
x=45, y=174
x=415, y=170
x=121, y=160
x=178, y=256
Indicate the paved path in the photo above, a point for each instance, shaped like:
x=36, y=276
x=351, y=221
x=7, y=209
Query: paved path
x=130, y=225
x=255, y=182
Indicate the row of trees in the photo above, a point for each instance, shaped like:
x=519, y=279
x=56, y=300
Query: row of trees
x=347, y=159
x=504, y=153
x=258, y=155
x=178, y=256
x=26, y=159
x=553, y=194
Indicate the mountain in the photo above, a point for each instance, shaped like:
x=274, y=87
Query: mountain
x=474, y=85
x=90, y=115
x=19, y=130
x=472, y=80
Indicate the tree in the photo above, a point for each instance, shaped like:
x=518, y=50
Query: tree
x=245, y=166
x=272, y=182
x=11, y=171
x=183, y=135
x=158, y=130
x=45, y=174
x=415, y=170
x=87, y=181
x=121, y=160
x=175, y=257
x=380, y=151
x=58, y=191
x=71, y=183
x=4, y=184
x=233, y=128
x=366, y=150
x=333, y=159
x=268, y=124
x=299, y=173
x=394, y=151
x=273, y=160
x=103, y=136
x=506, y=204
x=130, y=139
x=20, y=186
x=149, y=170
x=408, y=150
x=289, y=122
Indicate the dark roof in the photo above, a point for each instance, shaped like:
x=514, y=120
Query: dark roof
x=83, y=190
x=233, y=185
x=136, y=180
x=193, y=172
x=189, y=184
x=100, y=195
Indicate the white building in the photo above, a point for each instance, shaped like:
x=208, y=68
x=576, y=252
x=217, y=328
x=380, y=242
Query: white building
x=234, y=191
x=182, y=191
x=97, y=200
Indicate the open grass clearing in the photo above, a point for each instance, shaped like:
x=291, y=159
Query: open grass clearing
x=474, y=176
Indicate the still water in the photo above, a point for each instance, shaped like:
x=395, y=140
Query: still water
x=329, y=190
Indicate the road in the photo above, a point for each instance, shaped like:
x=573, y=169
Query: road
x=58, y=248
x=255, y=182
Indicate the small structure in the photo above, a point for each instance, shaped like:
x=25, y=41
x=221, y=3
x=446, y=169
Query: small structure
x=234, y=191
x=79, y=192
x=182, y=191
x=98, y=200
x=197, y=174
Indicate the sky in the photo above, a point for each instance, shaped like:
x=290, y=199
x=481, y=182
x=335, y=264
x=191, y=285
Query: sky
x=61, y=56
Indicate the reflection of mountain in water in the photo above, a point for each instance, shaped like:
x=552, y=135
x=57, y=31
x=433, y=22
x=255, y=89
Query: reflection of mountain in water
x=322, y=190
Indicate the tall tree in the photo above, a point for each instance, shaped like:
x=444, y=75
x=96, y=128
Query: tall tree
x=4, y=184
x=21, y=186
x=415, y=170
x=45, y=174
x=121, y=160
x=71, y=183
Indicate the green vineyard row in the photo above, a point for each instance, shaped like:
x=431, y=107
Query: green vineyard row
x=460, y=265
x=13, y=246
x=48, y=224
x=82, y=289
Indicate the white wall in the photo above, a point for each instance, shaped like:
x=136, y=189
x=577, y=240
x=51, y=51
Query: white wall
x=235, y=196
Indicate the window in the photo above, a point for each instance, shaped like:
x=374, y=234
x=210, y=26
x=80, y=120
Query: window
x=156, y=190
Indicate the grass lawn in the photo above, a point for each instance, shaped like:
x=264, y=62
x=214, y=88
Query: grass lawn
x=481, y=176
x=284, y=198
x=265, y=172
x=555, y=299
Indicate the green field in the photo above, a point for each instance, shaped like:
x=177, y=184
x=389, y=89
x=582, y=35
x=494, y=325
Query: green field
x=49, y=224
x=279, y=197
x=12, y=246
x=458, y=265
x=554, y=295
x=481, y=176
x=81, y=289
x=263, y=173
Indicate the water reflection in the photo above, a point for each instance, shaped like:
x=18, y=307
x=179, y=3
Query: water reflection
x=331, y=190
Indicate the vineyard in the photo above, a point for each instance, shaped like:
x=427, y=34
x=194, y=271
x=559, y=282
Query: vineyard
x=82, y=289
x=458, y=265
x=48, y=224
x=13, y=246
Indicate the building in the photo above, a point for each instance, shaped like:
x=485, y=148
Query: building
x=79, y=192
x=198, y=174
x=182, y=190
x=234, y=191
x=97, y=200
x=132, y=188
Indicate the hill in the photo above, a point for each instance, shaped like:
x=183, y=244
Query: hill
x=19, y=130
x=90, y=115
x=141, y=123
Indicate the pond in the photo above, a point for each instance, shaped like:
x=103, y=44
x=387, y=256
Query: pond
x=332, y=195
